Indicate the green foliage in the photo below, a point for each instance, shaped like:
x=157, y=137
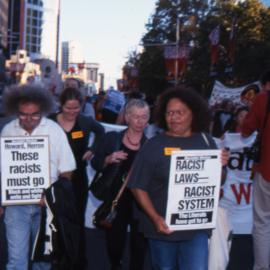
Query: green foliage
x=197, y=20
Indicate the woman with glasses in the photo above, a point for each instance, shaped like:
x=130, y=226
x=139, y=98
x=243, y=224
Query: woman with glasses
x=184, y=115
x=78, y=129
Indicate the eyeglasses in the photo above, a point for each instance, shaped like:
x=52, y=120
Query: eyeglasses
x=177, y=113
x=34, y=116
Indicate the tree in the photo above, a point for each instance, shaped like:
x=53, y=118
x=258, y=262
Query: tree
x=197, y=19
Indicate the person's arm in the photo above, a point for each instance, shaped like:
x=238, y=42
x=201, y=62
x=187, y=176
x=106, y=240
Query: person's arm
x=66, y=175
x=105, y=148
x=145, y=202
x=254, y=118
x=98, y=130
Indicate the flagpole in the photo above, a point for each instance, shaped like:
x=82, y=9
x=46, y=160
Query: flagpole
x=177, y=44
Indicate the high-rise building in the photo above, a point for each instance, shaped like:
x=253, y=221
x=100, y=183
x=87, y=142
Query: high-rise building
x=3, y=23
x=34, y=27
x=71, y=53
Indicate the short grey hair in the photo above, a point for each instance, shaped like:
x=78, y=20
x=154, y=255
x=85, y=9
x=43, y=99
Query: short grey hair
x=16, y=95
x=136, y=103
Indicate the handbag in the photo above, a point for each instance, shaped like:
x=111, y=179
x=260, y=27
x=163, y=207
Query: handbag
x=103, y=180
x=107, y=211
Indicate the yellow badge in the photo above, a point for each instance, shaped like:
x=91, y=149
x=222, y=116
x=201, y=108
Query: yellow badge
x=168, y=150
x=77, y=134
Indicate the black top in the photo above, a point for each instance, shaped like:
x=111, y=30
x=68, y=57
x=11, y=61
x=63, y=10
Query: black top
x=151, y=173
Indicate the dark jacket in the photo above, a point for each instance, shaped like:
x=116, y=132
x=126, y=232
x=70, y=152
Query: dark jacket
x=88, y=125
x=111, y=142
x=59, y=228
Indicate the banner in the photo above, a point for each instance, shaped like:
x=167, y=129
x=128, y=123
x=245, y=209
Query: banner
x=25, y=170
x=237, y=191
x=193, y=192
x=240, y=96
x=176, y=53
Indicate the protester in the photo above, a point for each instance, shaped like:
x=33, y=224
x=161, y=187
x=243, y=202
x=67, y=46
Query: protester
x=258, y=120
x=235, y=123
x=78, y=129
x=221, y=117
x=30, y=104
x=184, y=115
x=112, y=105
x=115, y=157
x=237, y=196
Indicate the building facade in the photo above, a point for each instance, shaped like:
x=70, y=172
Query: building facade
x=3, y=23
x=71, y=53
x=34, y=27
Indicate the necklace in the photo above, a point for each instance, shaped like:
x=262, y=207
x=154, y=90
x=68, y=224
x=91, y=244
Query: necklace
x=132, y=143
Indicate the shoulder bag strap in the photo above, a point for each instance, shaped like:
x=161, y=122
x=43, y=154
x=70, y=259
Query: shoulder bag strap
x=205, y=139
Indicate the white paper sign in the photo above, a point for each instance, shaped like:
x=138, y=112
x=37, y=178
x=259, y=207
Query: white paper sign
x=193, y=192
x=25, y=170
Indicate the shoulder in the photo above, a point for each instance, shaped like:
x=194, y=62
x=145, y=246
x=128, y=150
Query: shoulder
x=51, y=125
x=9, y=127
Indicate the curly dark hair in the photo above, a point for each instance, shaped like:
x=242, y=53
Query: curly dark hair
x=17, y=95
x=198, y=106
x=69, y=94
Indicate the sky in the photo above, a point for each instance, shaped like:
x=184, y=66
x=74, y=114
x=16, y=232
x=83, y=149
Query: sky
x=107, y=30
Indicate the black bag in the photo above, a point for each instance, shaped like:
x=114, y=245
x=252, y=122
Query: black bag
x=107, y=211
x=105, y=215
x=101, y=185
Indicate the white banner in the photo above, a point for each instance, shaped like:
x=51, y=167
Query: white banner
x=238, y=95
x=25, y=170
x=193, y=192
x=237, y=191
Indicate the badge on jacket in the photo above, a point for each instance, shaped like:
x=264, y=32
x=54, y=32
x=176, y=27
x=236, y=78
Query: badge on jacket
x=76, y=134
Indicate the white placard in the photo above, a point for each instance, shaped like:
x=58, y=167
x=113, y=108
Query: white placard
x=193, y=192
x=25, y=170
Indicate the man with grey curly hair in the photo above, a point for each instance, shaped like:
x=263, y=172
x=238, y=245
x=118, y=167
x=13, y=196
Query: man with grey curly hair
x=30, y=104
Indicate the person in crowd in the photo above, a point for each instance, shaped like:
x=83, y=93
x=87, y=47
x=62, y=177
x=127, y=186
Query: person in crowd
x=87, y=108
x=183, y=115
x=258, y=119
x=241, y=253
x=73, y=83
x=221, y=117
x=98, y=103
x=121, y=115
x=113, y=103
x=118, y=162
x=30, y=104
x=78, y=129
x=235, y=123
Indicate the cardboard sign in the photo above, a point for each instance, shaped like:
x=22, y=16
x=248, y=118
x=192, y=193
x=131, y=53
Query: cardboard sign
x=193, y=192
x=25, y=170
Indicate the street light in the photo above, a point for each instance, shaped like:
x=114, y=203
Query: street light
x=177, y=38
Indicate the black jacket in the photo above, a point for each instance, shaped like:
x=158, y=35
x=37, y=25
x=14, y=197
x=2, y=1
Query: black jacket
x=111, y=142
x=58, y=238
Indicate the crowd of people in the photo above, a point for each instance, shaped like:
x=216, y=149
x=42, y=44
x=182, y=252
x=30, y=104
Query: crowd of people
x=53, y=230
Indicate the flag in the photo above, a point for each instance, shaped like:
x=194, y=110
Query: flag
x=173, y=54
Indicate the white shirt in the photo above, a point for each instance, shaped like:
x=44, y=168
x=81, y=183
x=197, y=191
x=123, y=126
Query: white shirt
x=61, y=156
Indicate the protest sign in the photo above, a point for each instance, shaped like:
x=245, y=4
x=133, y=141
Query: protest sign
x=25, y=171
x=193, y=193
x=237, y=191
